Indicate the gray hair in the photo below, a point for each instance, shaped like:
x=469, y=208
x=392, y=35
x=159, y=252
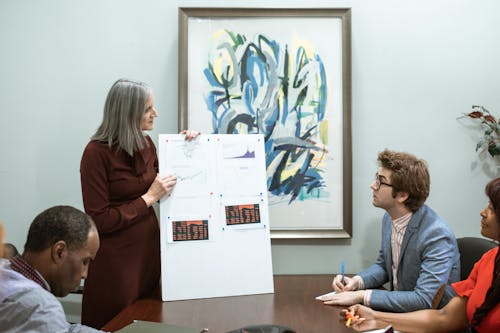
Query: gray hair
x=123, y=110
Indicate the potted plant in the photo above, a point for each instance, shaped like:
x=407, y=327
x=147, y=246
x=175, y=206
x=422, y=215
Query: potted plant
x=490, y=127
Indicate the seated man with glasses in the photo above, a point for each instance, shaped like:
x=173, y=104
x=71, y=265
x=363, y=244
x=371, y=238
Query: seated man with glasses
x=419, y=252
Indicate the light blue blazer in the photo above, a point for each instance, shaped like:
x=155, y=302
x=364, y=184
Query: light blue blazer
x=429, y=258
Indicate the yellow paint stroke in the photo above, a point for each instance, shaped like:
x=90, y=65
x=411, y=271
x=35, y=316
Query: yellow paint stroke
x=291, y=169
x=219, y=34
x=221, y=63
x=323, y=131
x=296, y=43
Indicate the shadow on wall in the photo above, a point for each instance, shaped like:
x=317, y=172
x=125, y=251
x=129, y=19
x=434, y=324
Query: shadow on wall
x=489, y=165
x=372, y=238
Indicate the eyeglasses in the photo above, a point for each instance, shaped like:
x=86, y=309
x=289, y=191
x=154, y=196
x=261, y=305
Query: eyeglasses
x=379, y=182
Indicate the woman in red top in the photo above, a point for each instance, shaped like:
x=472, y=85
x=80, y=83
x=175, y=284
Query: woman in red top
x=120, y=184
x=477, y=305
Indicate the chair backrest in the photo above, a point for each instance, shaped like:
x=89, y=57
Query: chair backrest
x=471, y=249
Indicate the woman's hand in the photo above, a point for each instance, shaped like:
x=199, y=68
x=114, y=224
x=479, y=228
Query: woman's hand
x=160, y=187
x=362, y=317
x=190, y=134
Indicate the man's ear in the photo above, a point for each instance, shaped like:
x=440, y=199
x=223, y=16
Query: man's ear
x=59, y=251
x=402, y=197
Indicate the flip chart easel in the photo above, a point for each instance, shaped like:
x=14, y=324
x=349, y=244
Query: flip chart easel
x=214, y=227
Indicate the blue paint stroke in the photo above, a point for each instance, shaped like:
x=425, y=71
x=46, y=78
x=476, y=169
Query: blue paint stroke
x=257, y=87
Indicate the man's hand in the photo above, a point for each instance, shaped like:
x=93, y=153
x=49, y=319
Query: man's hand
x=344, y=298
x=350, y=284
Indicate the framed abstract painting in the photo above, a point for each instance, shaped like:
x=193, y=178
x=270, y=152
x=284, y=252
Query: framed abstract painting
x=286, y=74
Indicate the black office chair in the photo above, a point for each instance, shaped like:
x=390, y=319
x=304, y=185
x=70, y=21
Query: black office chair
x=471, y=250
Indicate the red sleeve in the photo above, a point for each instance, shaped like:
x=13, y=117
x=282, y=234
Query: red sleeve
x=94, y=168
x=475, y=288
x=466, y=287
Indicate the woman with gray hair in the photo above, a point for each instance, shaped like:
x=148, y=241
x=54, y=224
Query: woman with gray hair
x=120, y=184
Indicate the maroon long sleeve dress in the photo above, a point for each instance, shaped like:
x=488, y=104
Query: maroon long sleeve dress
x=127, y=265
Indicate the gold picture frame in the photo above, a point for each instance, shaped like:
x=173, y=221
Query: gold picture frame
x=285, y=73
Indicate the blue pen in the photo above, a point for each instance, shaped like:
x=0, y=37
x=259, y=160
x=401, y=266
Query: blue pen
x=342, y=272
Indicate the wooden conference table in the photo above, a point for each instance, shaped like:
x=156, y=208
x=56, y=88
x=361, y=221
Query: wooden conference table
x=292, y=305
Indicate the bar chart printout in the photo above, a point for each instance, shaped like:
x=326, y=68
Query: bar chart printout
x=242, y=214
x=189, y=230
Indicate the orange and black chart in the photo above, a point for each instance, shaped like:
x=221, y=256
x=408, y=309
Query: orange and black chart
x=190, y=230
x=242, y=214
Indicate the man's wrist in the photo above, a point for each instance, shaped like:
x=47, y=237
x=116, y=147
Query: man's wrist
x=359, y=283
x=360, y=296
x=367, y=297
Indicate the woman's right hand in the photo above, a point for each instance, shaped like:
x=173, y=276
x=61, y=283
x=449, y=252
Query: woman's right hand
x=364, y=317
x=160, y=187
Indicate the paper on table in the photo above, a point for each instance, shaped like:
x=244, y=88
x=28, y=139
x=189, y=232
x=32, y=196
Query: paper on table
x=384, y=330
x=328, y=294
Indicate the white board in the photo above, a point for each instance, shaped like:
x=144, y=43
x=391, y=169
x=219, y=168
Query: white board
x=214, y=227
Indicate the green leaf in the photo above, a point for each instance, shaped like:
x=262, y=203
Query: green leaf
x=479, y=144
x=494, y=149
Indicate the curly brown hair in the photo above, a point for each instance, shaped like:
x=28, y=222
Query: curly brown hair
x=409, y=175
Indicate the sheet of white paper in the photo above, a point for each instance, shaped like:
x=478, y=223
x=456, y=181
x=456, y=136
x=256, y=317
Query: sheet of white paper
x=324, y=295
x=383, y=330
x=239, y=166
